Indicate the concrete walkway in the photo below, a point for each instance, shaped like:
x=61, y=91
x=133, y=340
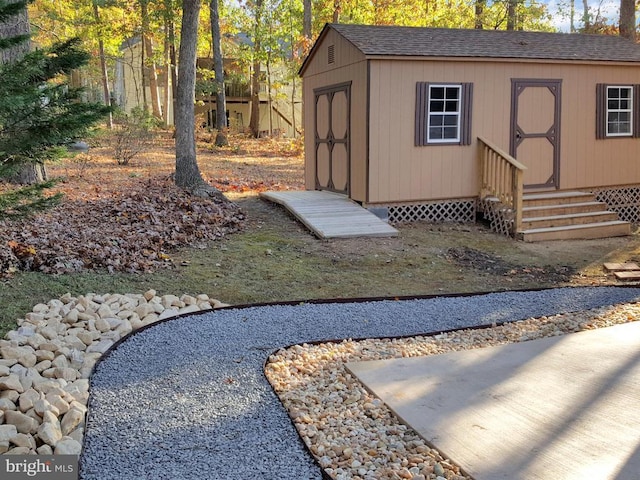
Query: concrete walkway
x=562, y=408
x=331, y=215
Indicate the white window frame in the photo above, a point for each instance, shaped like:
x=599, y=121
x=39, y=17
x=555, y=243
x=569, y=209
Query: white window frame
x=628, y=110
x=443, y=114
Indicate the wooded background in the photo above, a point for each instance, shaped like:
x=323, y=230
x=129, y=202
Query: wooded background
x=262, y=34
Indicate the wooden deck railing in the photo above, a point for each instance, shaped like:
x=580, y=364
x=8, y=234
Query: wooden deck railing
x=501, y=178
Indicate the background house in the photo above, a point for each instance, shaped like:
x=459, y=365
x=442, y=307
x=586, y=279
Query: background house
x=279, y=114
x=393, y=116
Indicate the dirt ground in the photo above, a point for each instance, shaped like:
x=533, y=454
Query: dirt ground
x=470, y=256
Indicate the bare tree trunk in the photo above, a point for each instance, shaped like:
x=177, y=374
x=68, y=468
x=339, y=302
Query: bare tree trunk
x=306, y=22
x=187, y=174
x=173, y=66
x=511, y=14
x=269, y=98
x=150, y=65
x=18, y=25
x=572, y=16
x=103, y=66
x=166, y=98
x=479, y=11
x=218, y=68
x=586, y=18
x=187, y=171
x=628, y=19
x=293, y=107
x=254, y=121
x=337, y=8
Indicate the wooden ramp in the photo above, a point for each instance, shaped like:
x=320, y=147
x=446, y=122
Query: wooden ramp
x=331, y=215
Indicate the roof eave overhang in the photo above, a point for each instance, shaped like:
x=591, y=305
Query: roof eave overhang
x=577, y=61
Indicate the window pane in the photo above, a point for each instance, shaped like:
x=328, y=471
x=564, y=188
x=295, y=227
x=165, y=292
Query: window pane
x=435, y=133
x=436, y=120
x=624, y=117
x=436, y=106
x=437, y=92
x=450, y=132
x=625, y=92
x=451, y=120
x=624, y=105
x=612, y=104
x=613, y=93
x=452, y=93
x=451, y=106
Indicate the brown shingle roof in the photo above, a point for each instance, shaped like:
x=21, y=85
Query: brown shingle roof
x=441, y=42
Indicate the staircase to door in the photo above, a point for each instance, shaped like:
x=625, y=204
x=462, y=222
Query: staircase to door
x=534, y=217
x=567, y=215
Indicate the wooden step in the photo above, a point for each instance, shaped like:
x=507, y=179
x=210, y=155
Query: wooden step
x=584, y=231
x=530, y=223
x=622, y=267
x=556, y=198
x=563, y=209
x=631, y=275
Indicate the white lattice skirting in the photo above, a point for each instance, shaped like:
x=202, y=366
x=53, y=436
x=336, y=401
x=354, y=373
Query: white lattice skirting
x=625, y=201
x=460, y=211
x=499, y=216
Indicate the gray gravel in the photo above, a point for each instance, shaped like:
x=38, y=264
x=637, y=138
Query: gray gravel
x=187, y=399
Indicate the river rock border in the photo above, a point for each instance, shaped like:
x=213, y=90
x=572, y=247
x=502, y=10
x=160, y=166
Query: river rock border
x=352, y=433
x=46, y=362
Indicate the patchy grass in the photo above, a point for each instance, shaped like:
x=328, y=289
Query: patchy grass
x=274, y=258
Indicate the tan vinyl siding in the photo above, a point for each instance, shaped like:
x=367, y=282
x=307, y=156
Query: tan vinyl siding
x=402, y=172
x=349, y=66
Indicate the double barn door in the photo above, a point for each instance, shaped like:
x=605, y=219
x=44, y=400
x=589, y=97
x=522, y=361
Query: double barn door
x=332, y=137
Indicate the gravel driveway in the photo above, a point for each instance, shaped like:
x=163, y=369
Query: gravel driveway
x=188, y=398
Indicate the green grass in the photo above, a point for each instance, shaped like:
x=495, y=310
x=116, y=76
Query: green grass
x=275, y=259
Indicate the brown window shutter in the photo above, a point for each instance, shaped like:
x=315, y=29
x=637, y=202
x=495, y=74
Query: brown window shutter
x=601, y=110
x=636, y=111
x=422, y=106
x=465, y=112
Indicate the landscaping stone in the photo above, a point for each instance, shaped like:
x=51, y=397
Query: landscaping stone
x=28, y=399
x=11, y=382
x=71, y=420
x=24, y=440
x=24, y=423
x=68, y=446
x=50, y=433
x=8, y=432
x=46, y=362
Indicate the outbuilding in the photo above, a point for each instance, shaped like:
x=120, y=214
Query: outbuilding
x=437, y=124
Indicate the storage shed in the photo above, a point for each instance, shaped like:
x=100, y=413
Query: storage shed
x=436, y=124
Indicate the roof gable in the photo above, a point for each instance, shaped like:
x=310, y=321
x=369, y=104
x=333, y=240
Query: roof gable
x=375, y=41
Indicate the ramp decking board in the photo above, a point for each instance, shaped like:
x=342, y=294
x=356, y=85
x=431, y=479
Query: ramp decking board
x=331, y=215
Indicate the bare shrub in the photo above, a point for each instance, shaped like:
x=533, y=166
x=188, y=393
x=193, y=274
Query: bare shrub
x=133, y=134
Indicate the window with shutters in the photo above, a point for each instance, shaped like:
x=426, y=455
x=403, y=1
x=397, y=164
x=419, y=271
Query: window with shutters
x=443, y=114
x=617, y=111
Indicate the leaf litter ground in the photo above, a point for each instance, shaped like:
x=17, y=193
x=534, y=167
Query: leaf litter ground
x=132, y=219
